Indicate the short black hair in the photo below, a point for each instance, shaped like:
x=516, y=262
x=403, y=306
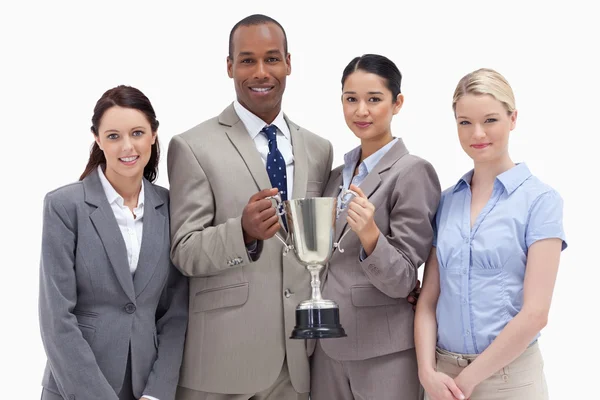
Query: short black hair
x=378, y=65
x=256, y=19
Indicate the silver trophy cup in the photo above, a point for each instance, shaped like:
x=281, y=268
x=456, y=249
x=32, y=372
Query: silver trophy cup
x=311, y=228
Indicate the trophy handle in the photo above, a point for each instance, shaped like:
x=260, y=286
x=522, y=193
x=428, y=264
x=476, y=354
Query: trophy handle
x=337, y=244
x=343, y=204
x=343, y=201
x=280, y=212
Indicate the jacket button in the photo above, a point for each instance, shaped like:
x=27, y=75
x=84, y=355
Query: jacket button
x=130, y=308
x=287, y=293
x=71, y=397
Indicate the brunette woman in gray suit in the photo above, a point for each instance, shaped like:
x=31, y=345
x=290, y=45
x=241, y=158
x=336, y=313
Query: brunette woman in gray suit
x=391, y=233
x=113, y=309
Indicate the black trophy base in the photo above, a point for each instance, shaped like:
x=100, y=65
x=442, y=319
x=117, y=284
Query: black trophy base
x=318, y=323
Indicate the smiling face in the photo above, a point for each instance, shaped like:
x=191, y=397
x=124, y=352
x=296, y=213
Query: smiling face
x=259, y=68
x=484, y=125
x=126, y=138
x=368, y=105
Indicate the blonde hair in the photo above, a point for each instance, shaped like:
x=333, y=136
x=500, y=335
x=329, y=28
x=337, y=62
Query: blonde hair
x=485, y=81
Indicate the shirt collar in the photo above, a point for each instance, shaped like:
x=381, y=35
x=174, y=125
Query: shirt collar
x=254, y=124
x=111, y=194
x=511, y=179
x=352, y=157
x=514, y=177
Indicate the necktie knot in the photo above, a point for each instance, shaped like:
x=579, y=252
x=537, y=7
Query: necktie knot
x=270, y=132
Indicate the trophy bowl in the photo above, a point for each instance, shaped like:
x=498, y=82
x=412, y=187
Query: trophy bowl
x=311, y=229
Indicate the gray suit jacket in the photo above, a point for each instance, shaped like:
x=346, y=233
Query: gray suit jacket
x=91, y=309
x=372, y=294
x=242, y=312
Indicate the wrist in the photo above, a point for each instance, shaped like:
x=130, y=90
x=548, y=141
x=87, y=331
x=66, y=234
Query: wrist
x=247, y=238
x=426, y=372
x=368, y=238
x=466, y=379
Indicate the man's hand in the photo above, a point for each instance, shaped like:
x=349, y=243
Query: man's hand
x=414, y=295
x=259, y=219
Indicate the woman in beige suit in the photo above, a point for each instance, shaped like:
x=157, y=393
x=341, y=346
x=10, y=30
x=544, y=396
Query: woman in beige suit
x=391, y=222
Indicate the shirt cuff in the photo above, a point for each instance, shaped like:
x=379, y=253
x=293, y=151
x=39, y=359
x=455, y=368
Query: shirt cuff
x=149, y=397
x=362, y=255
x=252, y=249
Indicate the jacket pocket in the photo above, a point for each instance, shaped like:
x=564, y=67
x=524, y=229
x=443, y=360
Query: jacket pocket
x=314, y=189
x=87, y=321
x=370, y=296
x=221, y=297
x=520, y=386
x=85, y=313
x=87, y=331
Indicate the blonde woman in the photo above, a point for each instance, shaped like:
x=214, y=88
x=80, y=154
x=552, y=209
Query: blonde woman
x=489, y=278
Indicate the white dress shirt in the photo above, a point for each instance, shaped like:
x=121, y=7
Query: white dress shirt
x=131, y=228
x=254, y=125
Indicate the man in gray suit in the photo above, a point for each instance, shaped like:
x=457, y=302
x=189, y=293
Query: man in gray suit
x=243, y=291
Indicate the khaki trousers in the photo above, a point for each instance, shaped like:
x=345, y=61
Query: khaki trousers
x=522, y=379
x=282, y=389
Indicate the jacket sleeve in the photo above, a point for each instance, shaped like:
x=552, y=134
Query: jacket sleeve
x=393, y=265
x=171, y=325
x=198, y=248
x=70, y=357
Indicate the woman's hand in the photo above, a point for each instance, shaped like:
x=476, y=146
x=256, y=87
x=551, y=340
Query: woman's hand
x=440, y=386
x=360, y=218
x=465, y=384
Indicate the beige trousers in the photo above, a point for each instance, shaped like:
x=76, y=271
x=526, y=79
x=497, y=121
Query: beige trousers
x=522, y=379
x=282, y=389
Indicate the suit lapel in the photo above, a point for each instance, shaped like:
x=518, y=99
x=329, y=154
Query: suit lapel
x=300, y=160
x=152, y=239
x=106, y=225
x=241, y=140
x=373, y=180
x=334, y=188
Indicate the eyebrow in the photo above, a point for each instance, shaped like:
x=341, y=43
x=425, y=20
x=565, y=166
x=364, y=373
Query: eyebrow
x=117, y=131
x=486, y=115
x=250, y=53
x=352, y=92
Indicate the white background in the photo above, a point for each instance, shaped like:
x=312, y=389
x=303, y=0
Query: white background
x=58, y=57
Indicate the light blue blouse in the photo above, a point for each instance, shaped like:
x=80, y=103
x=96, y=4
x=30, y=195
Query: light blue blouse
x=482, y=269
x=351, y=159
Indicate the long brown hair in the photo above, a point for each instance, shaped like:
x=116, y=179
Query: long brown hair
x=128, y=97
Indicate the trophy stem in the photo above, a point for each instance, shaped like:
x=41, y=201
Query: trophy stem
x=315, y=281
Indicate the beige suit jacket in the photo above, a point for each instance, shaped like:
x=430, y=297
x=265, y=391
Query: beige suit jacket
x=372, y=294
x=242, y=312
